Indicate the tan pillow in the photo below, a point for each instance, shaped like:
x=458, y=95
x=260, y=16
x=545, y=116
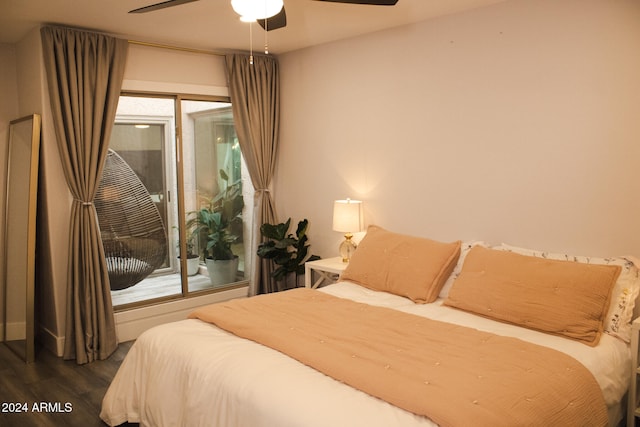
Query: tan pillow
x=558, y=297
x=622, y=305
x=411, y=267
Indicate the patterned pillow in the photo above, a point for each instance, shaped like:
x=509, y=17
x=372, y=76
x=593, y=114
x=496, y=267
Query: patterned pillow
x=563, y=298
x=625, y=291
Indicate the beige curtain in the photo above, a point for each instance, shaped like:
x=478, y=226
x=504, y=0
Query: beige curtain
x=84, y=74
x=255, y=97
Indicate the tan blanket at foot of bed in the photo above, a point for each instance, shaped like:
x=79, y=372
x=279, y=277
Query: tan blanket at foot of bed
x=451, y=374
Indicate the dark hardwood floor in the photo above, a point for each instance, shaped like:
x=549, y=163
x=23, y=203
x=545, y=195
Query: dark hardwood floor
x=53, y=391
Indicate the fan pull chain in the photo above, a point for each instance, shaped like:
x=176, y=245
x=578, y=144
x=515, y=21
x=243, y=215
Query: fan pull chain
x=266, y=36
x=250, y=43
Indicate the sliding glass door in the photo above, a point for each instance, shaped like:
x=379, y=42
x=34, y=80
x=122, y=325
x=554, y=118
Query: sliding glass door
x=173, y=215
x=214, y=196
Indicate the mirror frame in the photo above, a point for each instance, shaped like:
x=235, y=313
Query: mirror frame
x=25, y=348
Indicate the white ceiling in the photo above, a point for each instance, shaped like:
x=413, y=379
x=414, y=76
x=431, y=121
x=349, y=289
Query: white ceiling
x=212, y=24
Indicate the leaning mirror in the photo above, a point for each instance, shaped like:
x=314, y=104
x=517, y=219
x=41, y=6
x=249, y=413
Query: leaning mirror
x=20, y=235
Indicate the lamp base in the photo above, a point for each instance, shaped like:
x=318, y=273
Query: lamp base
x=347, y=247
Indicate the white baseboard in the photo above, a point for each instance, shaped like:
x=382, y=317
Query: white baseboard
x=50, y=341
x=131, y=323
x=15, y=331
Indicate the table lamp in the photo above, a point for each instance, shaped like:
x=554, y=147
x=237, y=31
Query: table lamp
x=347, y=218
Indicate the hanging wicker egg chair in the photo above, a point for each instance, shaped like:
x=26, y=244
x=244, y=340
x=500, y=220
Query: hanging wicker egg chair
x=132, y=231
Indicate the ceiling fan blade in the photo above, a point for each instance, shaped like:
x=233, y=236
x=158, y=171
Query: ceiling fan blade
x=161, y=5
x=279, y=20
x=369, y=2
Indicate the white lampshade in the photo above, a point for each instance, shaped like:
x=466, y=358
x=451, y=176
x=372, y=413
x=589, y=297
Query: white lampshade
x=252, y=10
x=347, y=216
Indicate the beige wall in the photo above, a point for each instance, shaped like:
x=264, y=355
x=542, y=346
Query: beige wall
x=54, y=203
x=8, y=111
x=516, y=122
x=53, y=196
x=157, y=69
x=22, y=80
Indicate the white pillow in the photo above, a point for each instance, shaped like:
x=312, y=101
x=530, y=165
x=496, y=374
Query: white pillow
x=624, y=293
x=464, y=250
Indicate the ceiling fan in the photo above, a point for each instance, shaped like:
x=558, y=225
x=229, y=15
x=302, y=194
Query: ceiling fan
x=279, y=20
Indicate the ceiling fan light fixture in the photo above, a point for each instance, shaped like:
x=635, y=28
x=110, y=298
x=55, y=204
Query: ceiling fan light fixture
x=252, y=10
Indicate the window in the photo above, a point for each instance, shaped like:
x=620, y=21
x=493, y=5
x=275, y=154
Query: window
x=185, y=157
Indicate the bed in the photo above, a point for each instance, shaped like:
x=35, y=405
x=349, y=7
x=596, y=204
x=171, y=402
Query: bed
x=195, y=372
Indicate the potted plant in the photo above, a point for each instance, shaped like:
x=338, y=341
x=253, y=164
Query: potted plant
x=193, y=259
x=212, y=225
x=289, y=252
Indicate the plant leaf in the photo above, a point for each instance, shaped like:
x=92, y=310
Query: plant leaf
x=302, y=228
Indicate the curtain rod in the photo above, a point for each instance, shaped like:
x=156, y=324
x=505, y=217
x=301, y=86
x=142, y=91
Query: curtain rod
x=183, y=49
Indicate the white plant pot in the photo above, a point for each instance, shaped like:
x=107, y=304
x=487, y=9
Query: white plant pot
x=193, y=265
x=223, y=271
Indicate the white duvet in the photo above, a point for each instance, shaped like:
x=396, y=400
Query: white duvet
x=190, y=373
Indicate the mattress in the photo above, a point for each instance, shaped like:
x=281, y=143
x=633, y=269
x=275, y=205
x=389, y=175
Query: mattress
x=192, y=373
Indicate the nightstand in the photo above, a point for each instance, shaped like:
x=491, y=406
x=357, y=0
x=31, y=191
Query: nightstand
x=633, y=409
x=328, y=269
